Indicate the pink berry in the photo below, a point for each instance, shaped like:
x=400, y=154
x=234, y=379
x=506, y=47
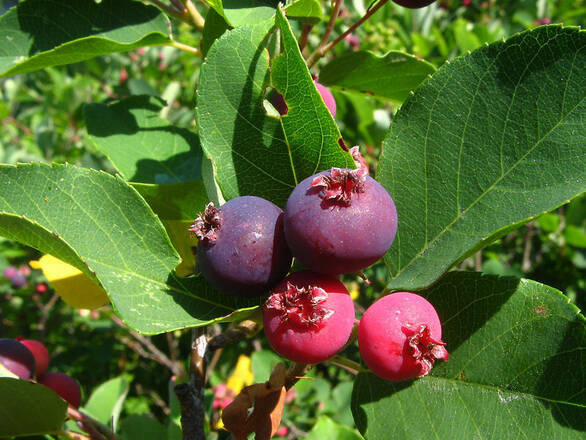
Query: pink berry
x=64, y=385
x=281, y=106
x=40, y=353
x=17, y=358
x=308, y=317
x=399, y=337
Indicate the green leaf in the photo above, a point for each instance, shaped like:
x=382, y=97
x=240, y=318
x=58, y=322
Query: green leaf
x=143, y=147
x=262, y=364
x=306, y=11
x=575, y=236
x=141, y=427
x=105, y=402
x=492, y=140
x=29, y=408
x=327, y=428
x=214, y=28
x=391, y=76
x=38, y=34
x=509, y=342
x=244, y=12
x=99, y=224
x=251, y=154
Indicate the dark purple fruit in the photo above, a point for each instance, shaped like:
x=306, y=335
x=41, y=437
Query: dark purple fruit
x=281, y=106
x=64, y=385
x=16, y=358
x=340, y=221
x=413, y=4
x=242, y=249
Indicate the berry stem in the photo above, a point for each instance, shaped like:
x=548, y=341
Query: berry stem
x=347, y=364
x=185, y=47
x=321, y=51
x=170, y=10
x=95, y=429
x=336, y=5
x=304, y=35
x=197, y=18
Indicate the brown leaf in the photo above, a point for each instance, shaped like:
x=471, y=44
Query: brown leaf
x=267, y=401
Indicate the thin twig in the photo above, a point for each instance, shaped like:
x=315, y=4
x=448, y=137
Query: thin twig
x=321, y=51
x=95, y=429
x=149, y=350
x=347, y=364
x=245, y=329
x=67, y=433
x=304, y=35
x=197, y=18
x=526, y=265
x=336, y=5
x=184, y=47
x=169, y=10
x=295, y=372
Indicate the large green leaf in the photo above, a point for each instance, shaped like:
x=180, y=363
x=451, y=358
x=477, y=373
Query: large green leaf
x=251, y=153
x=105, y=402
x=29, y=408
x=306, y=11
x=39, y=33
x=163, y=161
x=391, y=76
x=244, y=12
x=515, y=369
x=99, y=224
x=493, y=139
x=326, y=428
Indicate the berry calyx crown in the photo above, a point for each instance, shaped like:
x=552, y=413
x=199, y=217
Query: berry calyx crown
x=300, y=306
x=339, y=185
x=207, y=224
x=423, y=348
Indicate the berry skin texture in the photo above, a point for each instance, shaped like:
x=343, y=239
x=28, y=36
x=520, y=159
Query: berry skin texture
x=64, y=385
x=281, y=106
x=413, y=4
x=399, y=337
x=242, y=249
x=40, y=353
x=340, y=221
x=308, y=317
x=17, y=358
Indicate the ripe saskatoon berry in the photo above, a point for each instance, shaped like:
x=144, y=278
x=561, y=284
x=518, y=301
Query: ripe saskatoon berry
x=242, y=248
x=64, y=385
x=399, y=337
x=17, y=358
x=413, y=4
x=40, y=353
x=308, y=317
x=279, y=103
x=341, y=220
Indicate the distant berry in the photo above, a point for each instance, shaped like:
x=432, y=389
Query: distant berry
x=9, y=272
x=242, y=249
x=17, y=358
x=413, y=4
x=40, y=353
x=64, y=385
x=340, y=221
x=41, y=288
x=281, y=106
x=399, y=337
x=308, y=317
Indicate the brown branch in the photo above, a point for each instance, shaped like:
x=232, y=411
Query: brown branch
x=304, y=35
x=321, y=51
x=337, y=4
x=95, y=429
x=197, y=18
x=245, y=329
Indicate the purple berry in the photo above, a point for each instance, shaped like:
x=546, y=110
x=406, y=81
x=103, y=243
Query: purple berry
x=340, y=221
x=9, y=272
x=18, y=280
x=17, y=358
x=280, y=105
x=242, y=248
x=64, y=385
x=40, y=353
x=413, y=4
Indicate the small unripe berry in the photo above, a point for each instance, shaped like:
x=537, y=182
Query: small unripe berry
x=308, y=317
x=64, y=385
x=40, y=353
x=242, y=249
x=17, y=358
x=340, y=221
x=399, y=337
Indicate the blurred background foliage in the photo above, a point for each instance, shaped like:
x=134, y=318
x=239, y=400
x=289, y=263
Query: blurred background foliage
x=41, y=120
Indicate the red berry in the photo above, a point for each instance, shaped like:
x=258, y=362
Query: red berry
x=242, y=248
x=17, y=358
x=340, y=221
x=64, y=385
x=308, y=317
x=40, y=353
x=400, y=337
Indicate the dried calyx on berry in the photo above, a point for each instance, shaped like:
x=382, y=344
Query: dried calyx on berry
x=338, y=186
x=300, y=306
x=206, y=225
x=423, y=348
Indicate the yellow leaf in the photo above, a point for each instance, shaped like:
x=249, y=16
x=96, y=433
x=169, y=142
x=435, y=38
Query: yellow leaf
x=242, y=375
x=73, y=286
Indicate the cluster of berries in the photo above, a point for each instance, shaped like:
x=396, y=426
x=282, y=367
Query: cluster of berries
x=28, y=359
x=335, y=222
x=17, y=275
